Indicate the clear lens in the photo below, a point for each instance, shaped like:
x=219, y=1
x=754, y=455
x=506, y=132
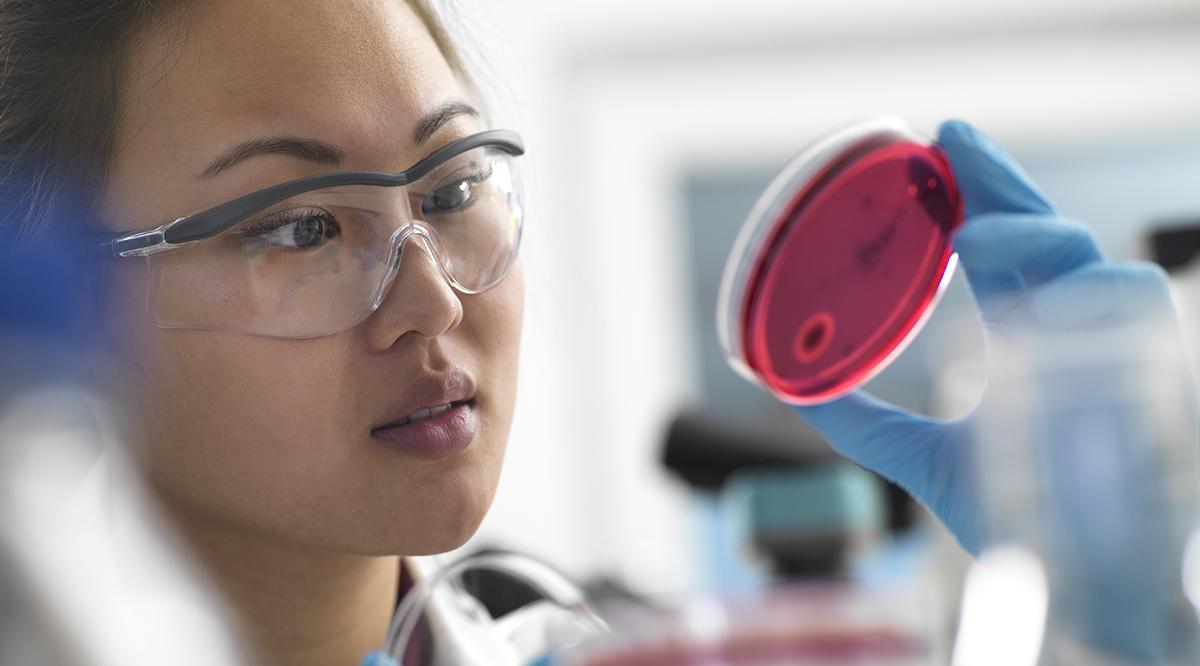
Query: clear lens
x=321, y=261
x=473, y=203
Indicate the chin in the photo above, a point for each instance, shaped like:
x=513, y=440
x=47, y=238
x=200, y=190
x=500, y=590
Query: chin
x=438, y=523
x=448, y=530
x=437, y=544
x=425, y=540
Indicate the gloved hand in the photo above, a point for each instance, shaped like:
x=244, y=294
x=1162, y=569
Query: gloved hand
x=1108, y=470
x=1026, y=266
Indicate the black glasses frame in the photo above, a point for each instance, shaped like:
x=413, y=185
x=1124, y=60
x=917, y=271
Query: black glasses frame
x=208, y=223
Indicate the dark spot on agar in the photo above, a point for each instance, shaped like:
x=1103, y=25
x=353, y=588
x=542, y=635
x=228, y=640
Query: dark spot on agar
x=933, y=197
x=870, y=254
x=813, y=337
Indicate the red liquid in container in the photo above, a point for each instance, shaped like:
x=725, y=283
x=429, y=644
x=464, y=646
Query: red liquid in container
x=767, y=649
x=840, y=264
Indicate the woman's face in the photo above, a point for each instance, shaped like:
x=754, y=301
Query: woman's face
x=275, y=435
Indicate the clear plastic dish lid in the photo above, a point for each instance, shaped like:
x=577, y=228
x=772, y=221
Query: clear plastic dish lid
x=840, y=262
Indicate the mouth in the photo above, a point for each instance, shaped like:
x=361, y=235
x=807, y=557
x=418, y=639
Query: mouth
x=426, y=413
x=436, y=419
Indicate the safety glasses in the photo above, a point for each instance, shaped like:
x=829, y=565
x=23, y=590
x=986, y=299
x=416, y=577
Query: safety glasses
x=317, y=255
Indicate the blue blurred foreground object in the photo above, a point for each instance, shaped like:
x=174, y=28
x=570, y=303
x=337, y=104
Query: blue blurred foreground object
x=46, y=291
x=101, y=578
x=42, y=287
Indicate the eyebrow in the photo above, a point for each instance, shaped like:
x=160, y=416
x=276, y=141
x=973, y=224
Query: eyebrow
x=431, y=123
x=319, y=152
x=309, y=150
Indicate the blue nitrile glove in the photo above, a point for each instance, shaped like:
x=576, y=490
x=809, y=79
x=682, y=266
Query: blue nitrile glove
x=1024, y=263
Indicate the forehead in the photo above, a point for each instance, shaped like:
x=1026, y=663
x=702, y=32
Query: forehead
x=355, y=73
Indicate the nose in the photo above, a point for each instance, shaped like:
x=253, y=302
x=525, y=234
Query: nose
x=420, y=300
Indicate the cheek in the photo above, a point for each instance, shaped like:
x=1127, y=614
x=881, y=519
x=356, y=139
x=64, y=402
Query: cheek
x=493, y=321
x=229, y=424
x=242, y=430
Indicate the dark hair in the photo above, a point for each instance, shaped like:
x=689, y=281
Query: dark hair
x=61, y=63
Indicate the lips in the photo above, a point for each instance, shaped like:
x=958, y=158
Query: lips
x=435, y=419
x=430, y=392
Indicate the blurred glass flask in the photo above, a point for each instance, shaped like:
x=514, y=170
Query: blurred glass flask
x=1087, y=460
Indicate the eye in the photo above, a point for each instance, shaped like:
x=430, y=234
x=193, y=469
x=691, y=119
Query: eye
x=298, y=229
x=454, y=196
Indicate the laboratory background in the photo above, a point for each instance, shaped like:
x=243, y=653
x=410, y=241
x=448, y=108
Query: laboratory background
x=640, y=465
x=653, y=128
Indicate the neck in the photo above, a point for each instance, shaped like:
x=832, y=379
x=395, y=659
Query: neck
x=296, y=605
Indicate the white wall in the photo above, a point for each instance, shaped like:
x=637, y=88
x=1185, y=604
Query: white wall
x=616, y=98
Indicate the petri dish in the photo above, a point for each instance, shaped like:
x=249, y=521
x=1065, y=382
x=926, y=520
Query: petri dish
x=840, y=262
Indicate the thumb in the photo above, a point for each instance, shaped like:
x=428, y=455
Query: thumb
x=886, y=439
x=929, y=459
x=989, y=179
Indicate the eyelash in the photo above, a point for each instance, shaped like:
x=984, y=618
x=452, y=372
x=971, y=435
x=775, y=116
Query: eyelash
x=474, y=176
x=261, y=230
x=275, y=221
